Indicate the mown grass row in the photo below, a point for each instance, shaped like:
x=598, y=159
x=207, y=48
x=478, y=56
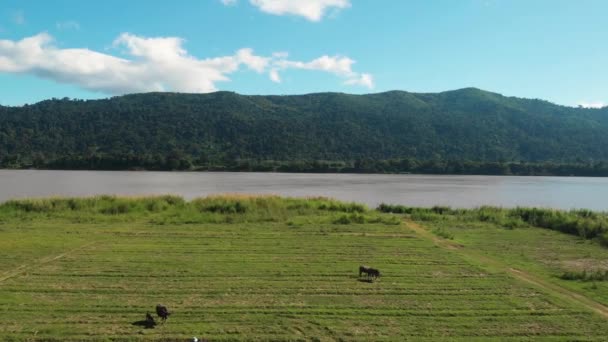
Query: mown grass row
x=580, y=222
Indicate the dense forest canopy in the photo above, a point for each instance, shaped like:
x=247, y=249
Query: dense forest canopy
x=179, y=131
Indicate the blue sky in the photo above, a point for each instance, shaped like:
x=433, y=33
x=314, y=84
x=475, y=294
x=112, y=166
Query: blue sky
x=549, y=49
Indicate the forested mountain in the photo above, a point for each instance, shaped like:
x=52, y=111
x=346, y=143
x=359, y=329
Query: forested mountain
x=180, y=130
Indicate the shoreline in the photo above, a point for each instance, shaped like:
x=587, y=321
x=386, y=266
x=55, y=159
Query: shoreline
x=332, y=172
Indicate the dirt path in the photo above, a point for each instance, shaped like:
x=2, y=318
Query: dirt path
x=24, y=268
x=553, y=289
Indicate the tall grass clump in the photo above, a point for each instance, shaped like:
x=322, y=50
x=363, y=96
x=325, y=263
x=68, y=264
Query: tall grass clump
x=91, y=207
x=328, y=204
x=244, y=208
x=443, y=233
x=503, y=217
x=435, y=213
x=400, y=209
x=586, y=275
x=584, y=223
x=395, y=209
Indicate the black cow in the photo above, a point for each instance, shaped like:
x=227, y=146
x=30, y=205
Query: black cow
x=374, y=273
x=363, y=269
x=369, y=272
x=150, y=322
x=162, y=312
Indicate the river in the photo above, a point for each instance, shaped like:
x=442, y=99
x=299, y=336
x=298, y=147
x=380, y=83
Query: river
x=411, y=190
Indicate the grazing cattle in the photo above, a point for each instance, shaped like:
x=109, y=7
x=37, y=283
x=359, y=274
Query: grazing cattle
x=162, y=312
x=374, y=273
x=363, y=269
x=369, y=272
x=150, y=320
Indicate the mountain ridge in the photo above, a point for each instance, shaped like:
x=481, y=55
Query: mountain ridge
x=221, y=127
x=394, y=91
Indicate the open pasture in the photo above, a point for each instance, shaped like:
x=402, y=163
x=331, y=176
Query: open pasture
x=258, y=268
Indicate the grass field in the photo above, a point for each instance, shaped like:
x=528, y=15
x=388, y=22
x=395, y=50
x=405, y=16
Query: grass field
x=266, y=268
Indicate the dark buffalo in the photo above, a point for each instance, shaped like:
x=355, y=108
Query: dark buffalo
x=369, y=272
x=162, y=312
x=149, y=317
x=363, y=269
x=150, y=322
x=374, y=273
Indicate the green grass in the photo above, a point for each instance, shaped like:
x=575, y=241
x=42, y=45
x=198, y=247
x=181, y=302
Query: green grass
x=567, y=258
x=580, y=222
x=268, y=268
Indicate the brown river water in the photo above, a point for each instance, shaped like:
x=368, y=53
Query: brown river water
x=411, y=190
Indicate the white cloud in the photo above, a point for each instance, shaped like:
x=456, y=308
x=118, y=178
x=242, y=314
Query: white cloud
x=365, y=80
x=337, y=65
x=312, y=10
x=252, y=61
x=67, y=25
x=592, y=104
x=274, y=76
x=152, y=64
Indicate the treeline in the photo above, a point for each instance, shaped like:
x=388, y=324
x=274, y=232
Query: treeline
x=180, y=162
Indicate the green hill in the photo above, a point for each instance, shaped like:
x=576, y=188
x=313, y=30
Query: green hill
x=178, y=130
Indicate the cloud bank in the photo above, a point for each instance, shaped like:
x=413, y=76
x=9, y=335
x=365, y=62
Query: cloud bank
x=153, y=64
x=313, y=10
